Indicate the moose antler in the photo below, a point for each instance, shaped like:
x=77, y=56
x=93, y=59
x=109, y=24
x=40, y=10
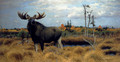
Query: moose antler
x=39, y=16
x=23, y=16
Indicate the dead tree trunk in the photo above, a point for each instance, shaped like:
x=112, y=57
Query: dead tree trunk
x=89, y=41
x=93, y=22
x=85, y=17
x=89, y=21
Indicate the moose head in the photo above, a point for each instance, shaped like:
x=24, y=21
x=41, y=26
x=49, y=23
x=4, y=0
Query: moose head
x=25, y=16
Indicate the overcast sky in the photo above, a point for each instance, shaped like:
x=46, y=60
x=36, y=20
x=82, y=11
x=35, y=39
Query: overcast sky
x=106, y=12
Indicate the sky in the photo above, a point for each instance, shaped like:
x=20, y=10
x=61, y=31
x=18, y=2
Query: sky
x=106, y=12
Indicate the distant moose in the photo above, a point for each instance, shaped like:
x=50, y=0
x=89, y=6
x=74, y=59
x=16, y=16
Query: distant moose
x=40, y=33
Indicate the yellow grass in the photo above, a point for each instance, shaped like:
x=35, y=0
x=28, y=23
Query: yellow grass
x=79, y=50
x=94, y=56
x=10, y=51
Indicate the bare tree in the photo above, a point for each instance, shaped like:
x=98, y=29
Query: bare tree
x=89, y=16
x=94, y=37
x=85, y=12
x=93, y=23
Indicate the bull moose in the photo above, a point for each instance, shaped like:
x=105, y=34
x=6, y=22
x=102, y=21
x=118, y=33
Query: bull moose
x=40, y=33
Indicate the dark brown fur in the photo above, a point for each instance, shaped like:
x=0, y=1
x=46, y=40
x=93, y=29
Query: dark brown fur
x=40, y=33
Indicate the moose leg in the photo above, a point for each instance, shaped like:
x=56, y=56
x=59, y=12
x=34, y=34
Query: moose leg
x=59, y=43
x=36, y=46
x=42, y=45
x=56, y=44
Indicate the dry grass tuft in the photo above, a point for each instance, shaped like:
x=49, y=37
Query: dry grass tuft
x=53, y=49
x=1, y=53
x=1, y=42
x=94, y=56
x=51, y=56
x=109, y=42
x=50, y=49
x=8, y=42
x=117, y=39
x=76, y=59
x=68, y=54
x=30, y=48
x=3, y=50
x=68, y=48
x=88, y=48
x=29, y=54
x=79, y=50
x=15, y=56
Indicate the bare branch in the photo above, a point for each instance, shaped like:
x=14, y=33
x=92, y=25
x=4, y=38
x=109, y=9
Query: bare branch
x=92, y=45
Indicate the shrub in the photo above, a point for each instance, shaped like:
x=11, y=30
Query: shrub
x=20, y=33
x=82, y=30
x=97, y=32
x=66, y=33
x=89, y=31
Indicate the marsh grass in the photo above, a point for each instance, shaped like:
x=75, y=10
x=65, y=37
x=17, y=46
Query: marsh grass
x=94, y=56
x=11, y=52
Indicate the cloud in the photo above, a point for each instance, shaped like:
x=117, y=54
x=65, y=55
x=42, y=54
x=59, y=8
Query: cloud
x=58, y=11
x=76, y=12
x=74, y=15
x=4, y=4
x=100, y=8
x=54, y=2
x=57, y=8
